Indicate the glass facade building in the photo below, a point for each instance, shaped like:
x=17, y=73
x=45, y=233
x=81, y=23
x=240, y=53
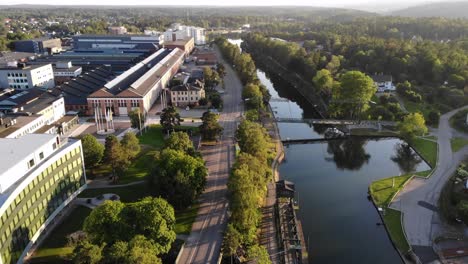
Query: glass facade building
x=30, y=204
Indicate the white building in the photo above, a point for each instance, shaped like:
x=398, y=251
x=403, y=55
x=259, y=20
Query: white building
x=39, y=177
x=384, y=83
x=180, y=32
x=66, y=69
x=26, y=77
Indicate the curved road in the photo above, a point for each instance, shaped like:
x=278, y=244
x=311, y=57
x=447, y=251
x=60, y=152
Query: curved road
x=418, y=201
x=204, y=242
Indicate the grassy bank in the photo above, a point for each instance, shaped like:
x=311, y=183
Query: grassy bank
x=458, y=143
x=427, y=149
x=382, y=193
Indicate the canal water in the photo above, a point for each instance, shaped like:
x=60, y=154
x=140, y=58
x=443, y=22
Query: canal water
x=332, y=179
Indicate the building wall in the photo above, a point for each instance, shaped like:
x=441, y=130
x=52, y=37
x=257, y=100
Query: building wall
x=38, y=199
x=29, y=128
x=28, y=77
x=54, y=112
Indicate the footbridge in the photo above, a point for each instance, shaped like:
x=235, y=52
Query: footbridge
x=337, y=122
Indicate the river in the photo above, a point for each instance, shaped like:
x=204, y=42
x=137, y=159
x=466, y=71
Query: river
x=332, y=179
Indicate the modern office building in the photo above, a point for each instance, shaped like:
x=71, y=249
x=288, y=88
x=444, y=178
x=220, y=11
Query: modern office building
x=138, y=87
x=26, y=77
x=117, y=43
x=39, y=176
x=39, y=46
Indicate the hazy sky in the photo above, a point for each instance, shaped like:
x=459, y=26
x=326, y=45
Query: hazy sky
x=331, y=3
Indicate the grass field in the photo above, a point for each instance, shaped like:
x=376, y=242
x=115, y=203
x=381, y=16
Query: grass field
x=427, y=149
x=392, y=220
x=382, y=191
x=55, y=246
x=458, y=143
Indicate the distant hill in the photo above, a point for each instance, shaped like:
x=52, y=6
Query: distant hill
x=440, y=9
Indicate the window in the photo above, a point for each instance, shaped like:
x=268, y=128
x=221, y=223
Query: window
x=41, y=155
x=30, y=163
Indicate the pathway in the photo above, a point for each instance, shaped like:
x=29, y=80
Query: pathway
x=421, y=223
x=204, y=242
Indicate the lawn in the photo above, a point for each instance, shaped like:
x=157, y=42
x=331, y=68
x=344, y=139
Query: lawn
x=127, y=194
x=140, y=167
x=185, y=219
x=55, y=246
x=154, y=136
x=427, y=149
x=392, y=220
x=458, y=121
x=458, y=143
x=382, y=191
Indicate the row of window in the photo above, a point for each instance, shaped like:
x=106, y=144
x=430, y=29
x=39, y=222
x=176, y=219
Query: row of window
x=16, y=74
x=37, y=202
x=186, y=98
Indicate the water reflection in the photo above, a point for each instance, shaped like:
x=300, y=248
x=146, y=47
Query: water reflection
x=406, y=158
x=348, y=154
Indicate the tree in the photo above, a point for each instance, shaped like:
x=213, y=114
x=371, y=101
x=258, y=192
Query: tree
x=211, y=77
x=115, y=221
x=252, y=96
x=231, y=241
x=93, y=151
x=115, y=155
x=87, y=253
x=178, y=177
x=324, y=81
x=210, y=128
x=170, y=118
x=137, y=119
x=179, y=141
x=252, y=115
x=462, y=211
x=130, y=144
x=352, y=96
x=221, y=70
x=259, y=254
x=412, y=125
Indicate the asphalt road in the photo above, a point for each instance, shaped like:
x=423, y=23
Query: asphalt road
x=204, y=242
x=418, y=201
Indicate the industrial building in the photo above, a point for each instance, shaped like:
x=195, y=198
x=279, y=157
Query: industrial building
x=39, y=46
x=39, y=176
x=117, y=43
x=138, y=87
x=76, y=90
x=24, y=77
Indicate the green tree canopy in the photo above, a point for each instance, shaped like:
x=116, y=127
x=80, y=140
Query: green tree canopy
x=131, y=144
x=179, y=141
x=412, y=125
x=352, y=96
x=137, y=119
x=210, y=128
x=115, y=221
x=170, y=118
x=178, y=177
x=93, y=151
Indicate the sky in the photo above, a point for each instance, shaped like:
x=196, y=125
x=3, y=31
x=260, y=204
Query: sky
x=333, y=3
x=358, y=4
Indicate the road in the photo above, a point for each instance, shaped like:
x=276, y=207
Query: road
x=418, y=201
x=204, y=242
